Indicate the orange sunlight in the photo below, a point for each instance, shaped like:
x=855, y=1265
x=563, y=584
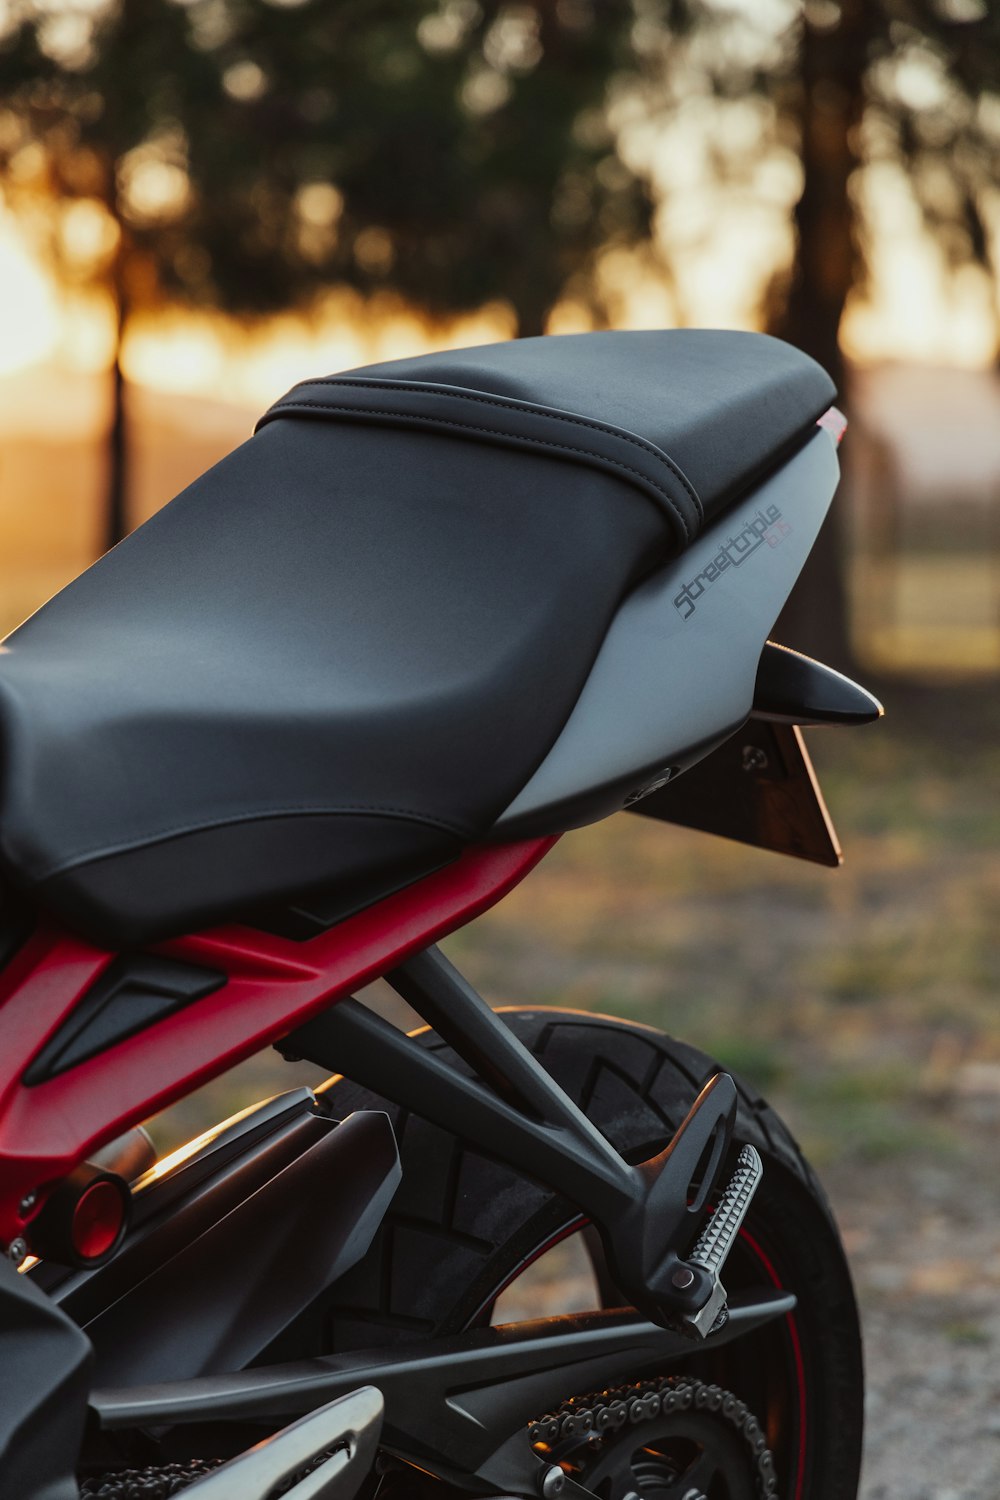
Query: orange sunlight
x=912, y=310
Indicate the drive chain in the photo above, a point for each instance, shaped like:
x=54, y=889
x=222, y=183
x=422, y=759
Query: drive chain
x=603, y=1413
x=157, y=1483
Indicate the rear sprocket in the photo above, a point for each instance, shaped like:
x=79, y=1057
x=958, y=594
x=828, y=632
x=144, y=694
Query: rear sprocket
x=675, y=1438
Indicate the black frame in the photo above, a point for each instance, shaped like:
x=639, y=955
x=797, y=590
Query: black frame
x=457, y=1407
x=647, y=1215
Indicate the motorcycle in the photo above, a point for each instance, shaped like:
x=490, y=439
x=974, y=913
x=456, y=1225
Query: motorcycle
x=329, y=705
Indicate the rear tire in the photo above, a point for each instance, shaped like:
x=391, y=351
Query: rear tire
x=462, y=1225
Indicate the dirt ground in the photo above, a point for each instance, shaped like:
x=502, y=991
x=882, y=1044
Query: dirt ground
x=924, y=1241
x=864, y=1002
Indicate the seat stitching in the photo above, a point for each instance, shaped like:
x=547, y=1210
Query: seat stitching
x=158, y=835
x=511, y=403
x=372, y=411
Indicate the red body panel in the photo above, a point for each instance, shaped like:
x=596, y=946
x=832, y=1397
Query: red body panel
x=274, y=985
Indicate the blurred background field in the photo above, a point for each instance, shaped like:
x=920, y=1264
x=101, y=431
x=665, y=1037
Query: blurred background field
x=863, y=1001
x=202, y=203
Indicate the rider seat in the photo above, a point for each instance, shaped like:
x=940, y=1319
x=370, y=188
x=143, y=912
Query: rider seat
x=333, y=660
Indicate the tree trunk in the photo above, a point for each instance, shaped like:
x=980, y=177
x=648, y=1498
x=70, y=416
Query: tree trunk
x=832, y=68
x=531, y=319
x=116, y=525
x=115, y=510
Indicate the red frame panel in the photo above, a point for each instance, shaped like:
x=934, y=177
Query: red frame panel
x=274, y=985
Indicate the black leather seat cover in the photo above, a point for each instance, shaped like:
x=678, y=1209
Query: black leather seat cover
x=337, y=656
x=690, y=416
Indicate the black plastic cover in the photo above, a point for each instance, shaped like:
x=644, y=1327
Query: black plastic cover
x=131, y=994
x=759, y=788
x=45, y=1367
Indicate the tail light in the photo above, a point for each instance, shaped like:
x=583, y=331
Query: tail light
x=83, y=1219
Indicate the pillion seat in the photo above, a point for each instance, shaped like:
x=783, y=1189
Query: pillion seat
x=334, y=659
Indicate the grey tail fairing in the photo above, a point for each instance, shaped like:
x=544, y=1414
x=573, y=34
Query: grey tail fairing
x=675, y=676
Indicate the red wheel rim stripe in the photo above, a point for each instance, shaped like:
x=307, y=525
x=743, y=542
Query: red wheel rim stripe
x=793, y=1331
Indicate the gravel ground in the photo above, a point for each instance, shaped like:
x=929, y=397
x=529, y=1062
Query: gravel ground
x=924, y=1242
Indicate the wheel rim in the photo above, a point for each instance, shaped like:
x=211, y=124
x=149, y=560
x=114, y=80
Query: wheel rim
x=688, y=1456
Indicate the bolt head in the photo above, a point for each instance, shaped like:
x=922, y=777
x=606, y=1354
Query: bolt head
x=553, y=1482
x=754, y=758
x=17, y=1250
x=26, y=1204
x=682, y=1278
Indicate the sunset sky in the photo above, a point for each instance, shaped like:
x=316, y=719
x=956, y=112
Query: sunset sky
x=721, y=251
x=718, y=243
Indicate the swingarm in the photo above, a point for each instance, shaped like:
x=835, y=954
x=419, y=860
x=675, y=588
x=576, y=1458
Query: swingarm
x=457, y=1407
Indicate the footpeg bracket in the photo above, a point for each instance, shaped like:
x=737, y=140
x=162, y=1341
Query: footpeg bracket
x=647, y=1215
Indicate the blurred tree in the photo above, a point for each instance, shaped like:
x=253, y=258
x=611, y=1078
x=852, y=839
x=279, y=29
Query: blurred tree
x=241, y=154
x=898, y=93
x=871, y=98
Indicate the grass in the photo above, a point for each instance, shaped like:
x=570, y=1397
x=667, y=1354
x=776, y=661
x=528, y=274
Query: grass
x=853, y=997
x=971, y=1335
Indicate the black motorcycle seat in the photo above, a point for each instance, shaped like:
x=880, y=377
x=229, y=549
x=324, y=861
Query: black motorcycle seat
x=690, y=416
x=334, y=659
